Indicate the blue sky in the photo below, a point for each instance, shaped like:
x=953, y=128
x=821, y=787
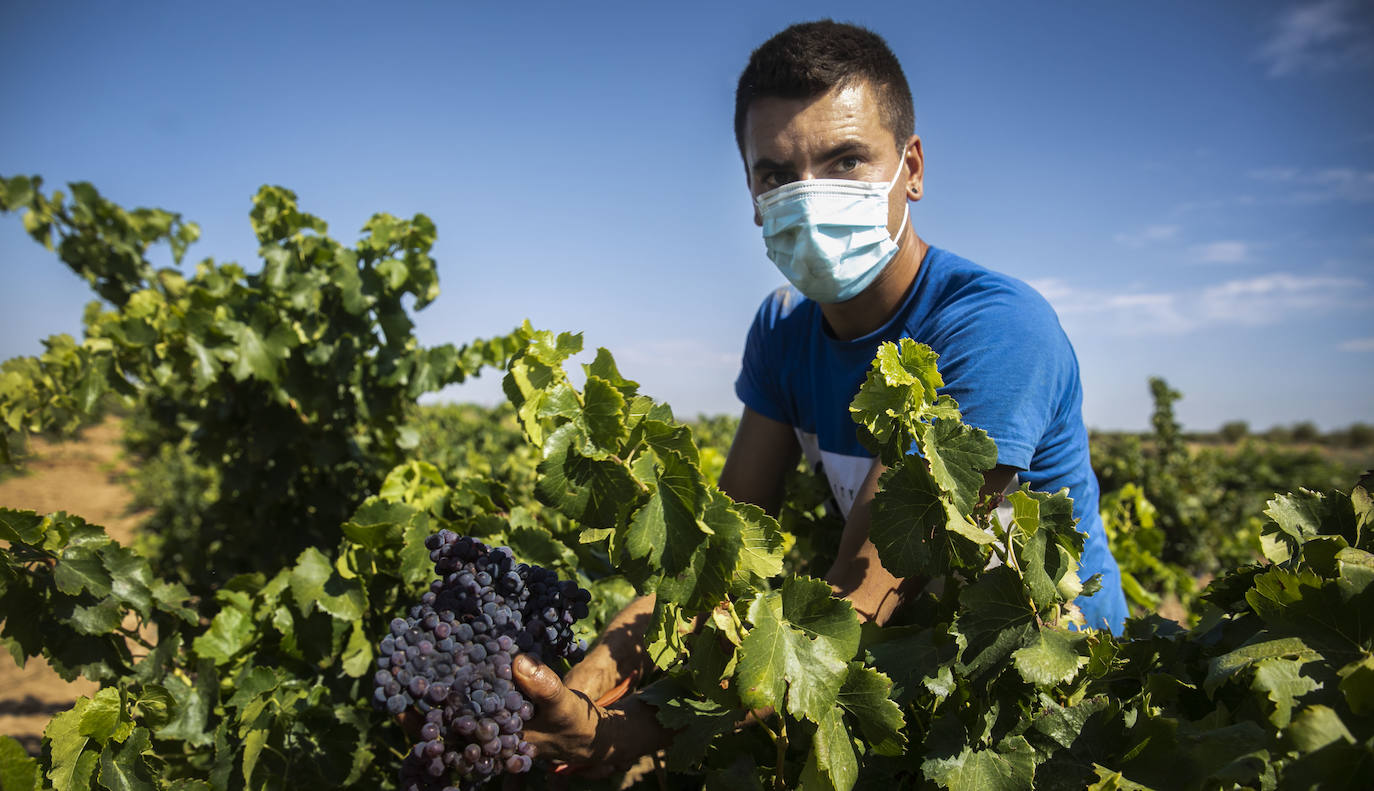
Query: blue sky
x=1190, y=184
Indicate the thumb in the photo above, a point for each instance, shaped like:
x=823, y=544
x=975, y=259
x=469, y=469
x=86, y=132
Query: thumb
x=538, y=681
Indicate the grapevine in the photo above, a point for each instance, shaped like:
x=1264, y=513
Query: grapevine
x=270, y=678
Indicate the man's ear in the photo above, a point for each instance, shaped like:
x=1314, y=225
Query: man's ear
x=915, y=165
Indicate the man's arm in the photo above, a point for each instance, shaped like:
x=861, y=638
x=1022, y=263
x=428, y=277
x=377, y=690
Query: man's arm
x=756, y=468
x=858, y=575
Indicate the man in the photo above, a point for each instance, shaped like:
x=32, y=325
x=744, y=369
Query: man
x=824, y=122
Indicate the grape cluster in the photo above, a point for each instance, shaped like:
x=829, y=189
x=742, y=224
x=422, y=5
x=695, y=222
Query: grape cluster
x=450, y=659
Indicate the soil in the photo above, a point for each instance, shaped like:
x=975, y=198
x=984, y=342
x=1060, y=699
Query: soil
x=84, y=477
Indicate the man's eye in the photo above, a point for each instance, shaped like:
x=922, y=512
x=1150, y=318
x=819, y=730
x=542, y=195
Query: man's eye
x=847, y=164
x=777, y=179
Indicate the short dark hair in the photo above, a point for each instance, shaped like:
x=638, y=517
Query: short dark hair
x=811, y=58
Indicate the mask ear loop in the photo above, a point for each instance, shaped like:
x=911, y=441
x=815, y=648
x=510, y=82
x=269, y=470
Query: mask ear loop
x=906, y=203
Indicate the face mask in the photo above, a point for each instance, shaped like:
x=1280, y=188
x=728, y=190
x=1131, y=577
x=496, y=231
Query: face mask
x=829, y=236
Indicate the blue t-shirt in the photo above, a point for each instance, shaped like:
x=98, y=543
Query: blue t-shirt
x=1004, y=359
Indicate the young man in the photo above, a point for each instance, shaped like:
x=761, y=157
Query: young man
x=824, y=122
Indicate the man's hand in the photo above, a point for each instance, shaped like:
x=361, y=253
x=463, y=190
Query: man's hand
x=566, y=721
x=568, y=726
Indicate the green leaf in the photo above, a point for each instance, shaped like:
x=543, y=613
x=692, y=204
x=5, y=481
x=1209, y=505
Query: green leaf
x=1220, y=669
x=1050, y=658
x=130, y=576
x=21, y=527
x=97, y=619
x=985, y=770
x=67, y=745
x=800, y=644
x=1300, y=517
x=909, y=521
x=125, y=769
x=1357, y=685
x=1317, y=726
x=665, y=531
x=833, y=753
x=103, y=719
x=192, y=704
x=592, y=492
x=604, y=413
x=914, y=660
x=315, y=582
x=377, y=524
x=18, y=771
x=1109, y=780
x=1282, y=680
x=255, y=353
x=205, y=369
x=900, y=385
x=958, y=455
x=996, y=618
x=1046, y=558
x=695, y=723
x=357, y=654
x=231, y=631
x=867, y=696
x=603, y=367
x=253, y=742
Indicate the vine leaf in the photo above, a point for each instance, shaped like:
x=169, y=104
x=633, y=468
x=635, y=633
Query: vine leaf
x=986, y=770
x=231, y=631
x=1223, y=667
x=867, y=696
x=315, y=582
x=665, y=531
x=798, y=649
x=996, y=618
x=105, y=717
x=1282, y=680
x=23, y=527
x=72, y=765
x=909, y=518
x=17, y=769
x=604, y=413
x=832, y=763
x=125, y=768
x=1316, y=727
x=1049, y=658
x=958, y=455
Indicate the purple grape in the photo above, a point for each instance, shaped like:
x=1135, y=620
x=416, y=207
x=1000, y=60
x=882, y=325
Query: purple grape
x=450, y=659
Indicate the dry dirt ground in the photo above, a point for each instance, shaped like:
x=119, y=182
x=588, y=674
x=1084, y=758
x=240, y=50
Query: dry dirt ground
x=82, y=477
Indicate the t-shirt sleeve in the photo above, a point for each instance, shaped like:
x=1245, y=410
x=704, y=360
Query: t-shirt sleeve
x=1010, y=366
x=757, y=384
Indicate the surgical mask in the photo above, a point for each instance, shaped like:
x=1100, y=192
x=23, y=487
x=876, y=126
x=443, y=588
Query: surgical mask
x=829, y=237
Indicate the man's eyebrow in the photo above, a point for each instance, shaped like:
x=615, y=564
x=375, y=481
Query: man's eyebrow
x=847, y=147
x=764, y=163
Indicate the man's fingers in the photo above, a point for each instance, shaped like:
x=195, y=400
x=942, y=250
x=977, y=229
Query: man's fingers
x=538, y=681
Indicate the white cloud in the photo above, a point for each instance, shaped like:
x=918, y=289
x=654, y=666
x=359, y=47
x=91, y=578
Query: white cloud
x=1320, y=186
x=1149, y=235
x=1267, y=299
x=1315, y=37
x=1358, y=345
x=1225, y=252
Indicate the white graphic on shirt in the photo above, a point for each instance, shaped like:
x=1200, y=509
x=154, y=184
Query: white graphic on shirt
x=845, y=473
x=848, y=473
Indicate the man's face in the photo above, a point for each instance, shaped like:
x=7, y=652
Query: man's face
x=837, y=135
